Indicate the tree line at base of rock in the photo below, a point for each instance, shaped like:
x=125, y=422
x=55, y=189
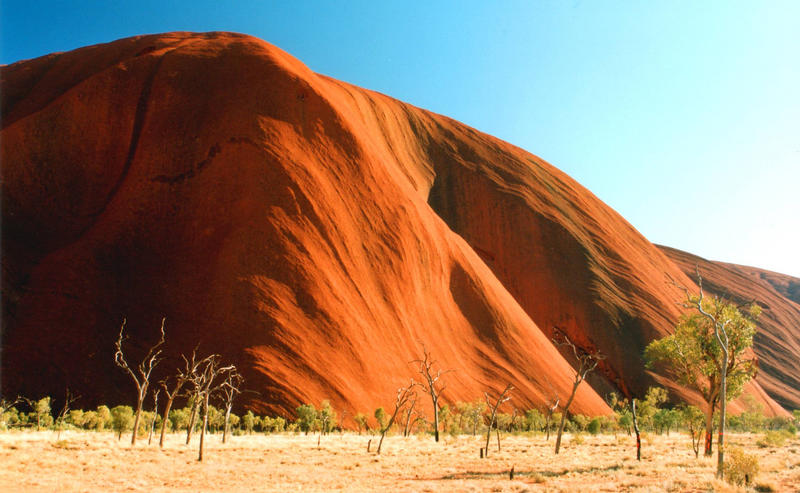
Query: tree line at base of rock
x=462, y=418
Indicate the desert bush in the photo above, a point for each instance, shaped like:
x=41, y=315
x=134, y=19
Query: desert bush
x=779, y=423
x=216, y=419
x=327, y=417
x=740, y=468
x=765, y=487
x=579, y=422
x=10, y=418
x=144, y=422
x=594, y=426
x=577, y=439
x=534, y=420
x=121, y=419
x=104, y=419
x=76, y=417
x=503, y=421
x=306, y=417
x=234, y=420
x=248, y=422
x=180, y=418
x=276, y=425
x=91, y=421
x=774, y=438
x=361, y=421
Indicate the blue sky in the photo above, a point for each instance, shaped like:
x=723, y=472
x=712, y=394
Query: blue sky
x=683, y=116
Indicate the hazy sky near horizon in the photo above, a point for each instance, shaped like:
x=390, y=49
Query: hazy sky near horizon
x=683, y=116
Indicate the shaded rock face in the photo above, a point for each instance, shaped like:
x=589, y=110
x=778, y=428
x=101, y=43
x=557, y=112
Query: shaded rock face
x=777, y=342
x=314, y=233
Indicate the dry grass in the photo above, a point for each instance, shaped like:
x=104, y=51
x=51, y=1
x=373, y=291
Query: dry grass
x=86, y=461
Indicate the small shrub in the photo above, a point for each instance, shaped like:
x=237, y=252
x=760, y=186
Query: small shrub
x=740, y=468
x=577, y=439
x=766, y=487
x=773, y=438
x=594, y=426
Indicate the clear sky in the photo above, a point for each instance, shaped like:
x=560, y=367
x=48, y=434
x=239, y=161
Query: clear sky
x=683, y=116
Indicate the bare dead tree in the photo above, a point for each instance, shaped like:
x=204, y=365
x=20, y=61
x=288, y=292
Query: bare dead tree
x=206, y=380
x=503, y=397
x=195, y=395
x=409, y=412
x=69, y=398
x=155, y=415
x=552, y=405
x=144, y=369
x=181, y=378
x=229, y=390
x=404, y=394
x=431, y=384
x=587, y=361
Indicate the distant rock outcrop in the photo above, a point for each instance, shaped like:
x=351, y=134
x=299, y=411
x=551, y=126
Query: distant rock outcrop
x=314, y=233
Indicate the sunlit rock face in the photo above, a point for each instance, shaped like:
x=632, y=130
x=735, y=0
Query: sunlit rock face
x=314, y=233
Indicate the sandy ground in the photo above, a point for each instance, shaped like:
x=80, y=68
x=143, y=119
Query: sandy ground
x=88, y=461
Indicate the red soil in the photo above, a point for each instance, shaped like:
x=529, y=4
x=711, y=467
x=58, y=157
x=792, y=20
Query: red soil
x=315, y=233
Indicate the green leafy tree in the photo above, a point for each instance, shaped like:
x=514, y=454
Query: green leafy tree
x=594, y=426
x=306, y=417
x=248, y=422
x=476, y=412
x=180, y=418
x=121, y=419
x=361, y=421
x=694, y=419
x=41, y=412
x=534, y=420
x=327, y=416
x=278, y=424
x=76, y=418
x=579, y=422
x=647, y=408
x=102, y=419
x=10, y=417
x=707, y=352
x=216, y=419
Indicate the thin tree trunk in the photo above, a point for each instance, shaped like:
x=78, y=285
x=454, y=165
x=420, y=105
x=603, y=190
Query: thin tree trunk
x=137, y=417
x=203, y=429
x=564, y=413
x=193, y=419
x=436, y=419
x=547, y=426
x=164, y=419
x=227, y=422
x=488, y=435
x=709, y=437
x=155, y=414
x=561, y=429
x=636, y=430
x=722, y=408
